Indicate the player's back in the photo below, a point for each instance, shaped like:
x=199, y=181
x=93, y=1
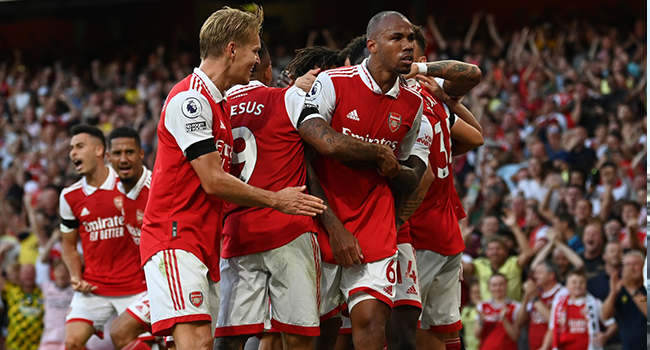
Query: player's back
x=111, y=257
x=268, y=153
x=179, y=213
x=434, y=225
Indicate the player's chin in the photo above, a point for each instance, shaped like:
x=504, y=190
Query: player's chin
x=403, y=68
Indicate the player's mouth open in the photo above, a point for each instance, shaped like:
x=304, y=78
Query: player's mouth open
x=407, y=59
x=125, y=169
x=77, y=164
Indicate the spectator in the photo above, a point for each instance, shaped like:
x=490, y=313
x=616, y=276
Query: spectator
x=627, y=302
x=57, y=295
x=574, y=319
x=593, y=241
x=598, y=286
x=468, y=317
x=25, y=311
x=565, y=225
x=563, y=257
x=498, y=261
x=632, y=235
x=536, y=305
x=495, y=325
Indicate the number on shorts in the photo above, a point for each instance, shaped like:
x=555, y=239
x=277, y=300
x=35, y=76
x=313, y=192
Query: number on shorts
x=411, y=272
x=390, y=272
x=247, y=157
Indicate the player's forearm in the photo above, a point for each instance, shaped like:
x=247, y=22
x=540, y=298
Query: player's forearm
x=233, y=190
x=412, y=202
x=72, y=259
x=511, y=329
x=570, y=254
x=320, y=135
x=329, y=220
x=460, y=77
x=607, y=310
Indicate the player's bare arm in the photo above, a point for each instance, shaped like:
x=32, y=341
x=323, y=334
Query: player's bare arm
x=412, y=202
x=217, y=182
x=320, y=135
x=345, y=247
x=460, y=77
x=72, y=260
x=409, y=176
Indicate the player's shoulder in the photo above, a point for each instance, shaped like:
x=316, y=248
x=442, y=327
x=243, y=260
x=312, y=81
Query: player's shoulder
x=77, y=186
x=343, y=72
x=411, y=92
x=239, y=91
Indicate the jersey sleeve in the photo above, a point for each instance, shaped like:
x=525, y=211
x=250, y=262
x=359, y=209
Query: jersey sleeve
x=422, y=145
x=321, y=97
x=188, y=117
x=515, y=309
x=294, y=100
x=68, y=221
x=406, y=146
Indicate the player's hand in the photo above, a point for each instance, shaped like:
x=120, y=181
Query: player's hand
x=285, y=79
x=345, y=247
x=509, y=218
x=599, y=339
x=414, y=71
x=530, y=289
x=387, y=161
x=305, y=82
x=80, y=285
x=615, y=283
x=433, y=87
x=293, y=201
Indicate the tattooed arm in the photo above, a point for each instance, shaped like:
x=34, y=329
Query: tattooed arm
x=411, y=202
x=460, y=77
x=345, y=246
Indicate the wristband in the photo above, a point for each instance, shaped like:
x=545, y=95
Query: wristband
x=422, y=68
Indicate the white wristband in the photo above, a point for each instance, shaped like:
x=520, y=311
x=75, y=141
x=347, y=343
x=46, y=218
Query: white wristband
x=422, y=68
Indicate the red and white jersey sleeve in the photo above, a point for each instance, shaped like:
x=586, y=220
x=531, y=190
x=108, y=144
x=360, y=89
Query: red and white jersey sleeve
x=268, y=153
x=110, y=256
x=190, y=118
x=322, y=96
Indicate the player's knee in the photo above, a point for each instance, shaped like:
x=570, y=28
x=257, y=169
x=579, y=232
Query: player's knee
x=121, y=335
x=230, y=343
x=297, y=342
x=74, y=343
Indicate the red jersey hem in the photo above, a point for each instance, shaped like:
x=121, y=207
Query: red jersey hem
x=227, y=254
x=119, y=292
x=293, y=329
x=345, y=331
x=238, y=330
x=439, y=251
x=164, y=327
x=456, y=326
x=80, y=320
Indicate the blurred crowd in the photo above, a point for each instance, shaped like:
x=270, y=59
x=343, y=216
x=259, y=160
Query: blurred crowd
x=563, y=109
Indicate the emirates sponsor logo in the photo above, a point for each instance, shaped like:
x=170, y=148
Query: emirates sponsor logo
x=134, y=232
x=105, y=228
x=412, y=290
x=367, y=138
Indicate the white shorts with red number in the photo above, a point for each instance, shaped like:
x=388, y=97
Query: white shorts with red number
x=141, y=311
x=408, y=283
x=96, y=310
x=352, y=285
x=180, y=290
x=440, y=287
x=288, y=277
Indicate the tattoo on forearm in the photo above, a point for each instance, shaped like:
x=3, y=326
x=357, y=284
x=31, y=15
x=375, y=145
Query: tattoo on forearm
x=455, y=72
x=410, y=205
x=345, y=147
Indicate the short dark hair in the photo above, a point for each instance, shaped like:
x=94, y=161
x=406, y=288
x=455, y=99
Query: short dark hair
x=356, y=50
x=313, y=57
x=579, y=273
x=625, y=203
x=265, y=58
x=124, y=131
x=552, y=268
x=568, y=218
x=420, y=40
x=498, y=274
x=90, y=130
x=608, y=164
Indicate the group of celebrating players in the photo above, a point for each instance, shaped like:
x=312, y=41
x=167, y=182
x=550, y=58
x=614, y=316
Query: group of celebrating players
x=222, y=230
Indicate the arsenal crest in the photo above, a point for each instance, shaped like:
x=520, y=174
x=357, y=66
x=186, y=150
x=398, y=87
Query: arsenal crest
x=118, y=202
x=196, y=298
x=139, y=214
x=394, y=121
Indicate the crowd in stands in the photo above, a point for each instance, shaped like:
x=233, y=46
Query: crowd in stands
x=556, y=189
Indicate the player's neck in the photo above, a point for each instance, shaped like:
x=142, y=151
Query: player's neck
x=384, y=78
x=216, y=69
x=548, y=286
x=499, y=301
x=98, y=176
x=129, y=186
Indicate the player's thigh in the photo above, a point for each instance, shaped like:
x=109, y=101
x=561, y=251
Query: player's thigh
x=407, y=288
x=91, y=309
x=244, y=297
x=441, y=311
x=179, y=290
x=77, y=334
x=373, y=280
x=193, y=335
x=294, y=286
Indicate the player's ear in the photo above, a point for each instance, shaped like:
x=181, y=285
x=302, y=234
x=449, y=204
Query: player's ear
x=422, y=59
x=141, y=153
x=268, y=73
x=231, y=49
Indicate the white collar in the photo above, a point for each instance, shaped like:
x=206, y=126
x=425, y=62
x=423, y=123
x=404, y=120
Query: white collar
x=551, y=291
x=135, y=191
x=212, y=89
x=108, y=184
x=578, y=302
x=372, y=84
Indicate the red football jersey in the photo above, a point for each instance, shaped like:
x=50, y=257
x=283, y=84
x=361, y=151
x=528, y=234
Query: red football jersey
x=353, y=103
x=434, y=225
x=264, y=125
x=134, y=204
x=538, y=326
x=111, y=259
x=179, y=213
x=494, y=335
